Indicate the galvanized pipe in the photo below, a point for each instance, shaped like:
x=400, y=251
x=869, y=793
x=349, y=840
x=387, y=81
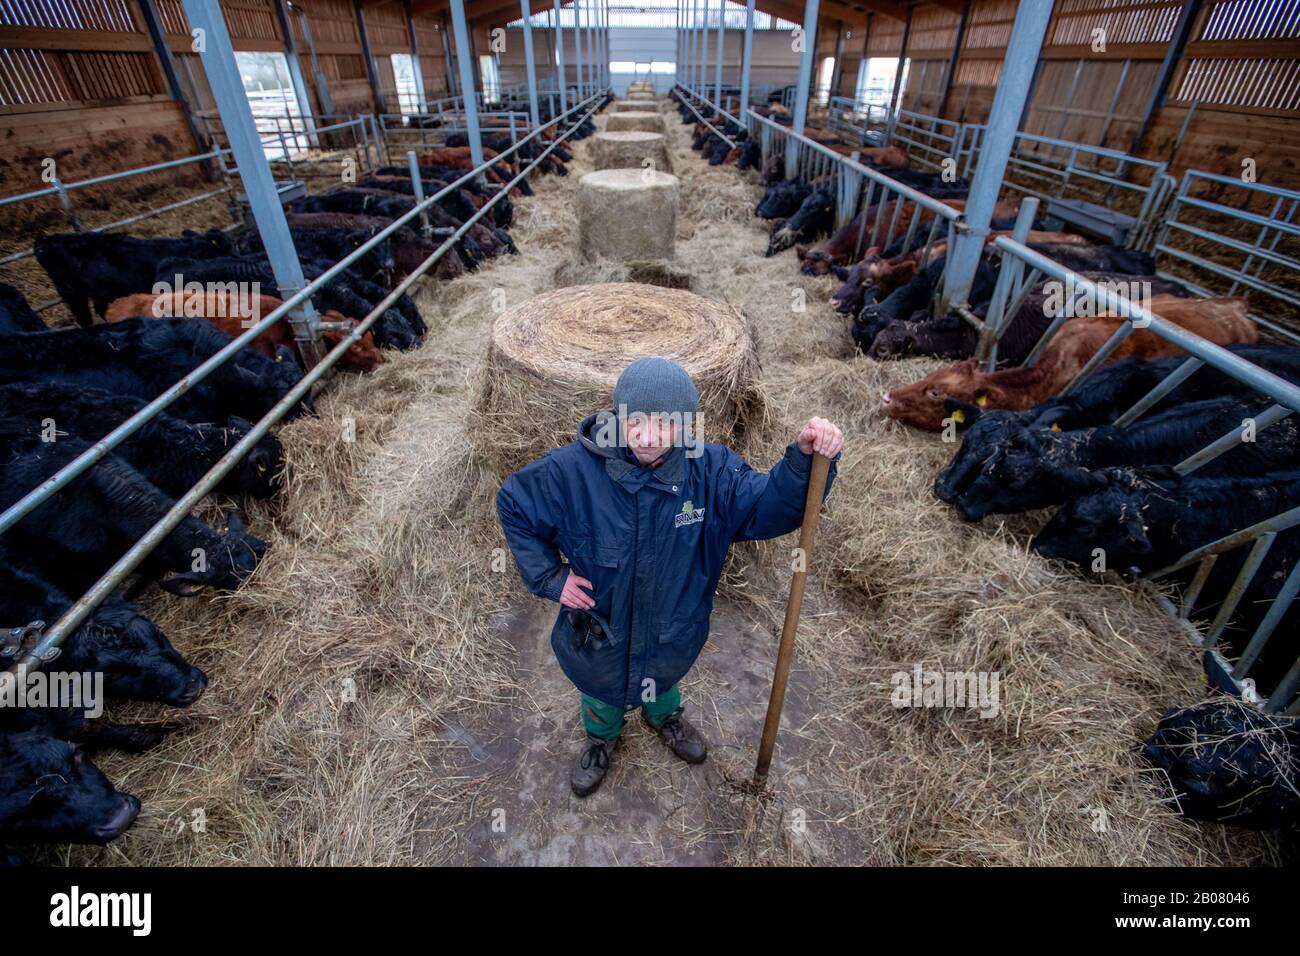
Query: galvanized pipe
x=465, y=62
x=800, y=118
x=529, y=64
x=1013, y=88
x=747, y=56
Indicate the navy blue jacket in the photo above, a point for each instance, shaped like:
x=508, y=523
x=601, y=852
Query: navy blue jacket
x=652, y=541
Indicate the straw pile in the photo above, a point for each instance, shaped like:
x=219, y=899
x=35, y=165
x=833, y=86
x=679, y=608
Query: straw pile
x=554, y=359
x=636, y=120
x=627, y=214
x=630, y=105
x=629, y=150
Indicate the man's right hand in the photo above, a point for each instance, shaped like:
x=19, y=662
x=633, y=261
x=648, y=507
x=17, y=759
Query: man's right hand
x=573, y=594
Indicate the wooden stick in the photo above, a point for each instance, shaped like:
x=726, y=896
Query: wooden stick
x=785, y=653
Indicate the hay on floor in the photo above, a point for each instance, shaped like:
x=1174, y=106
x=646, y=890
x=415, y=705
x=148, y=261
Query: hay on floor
x=627, y=214
x=554, y=359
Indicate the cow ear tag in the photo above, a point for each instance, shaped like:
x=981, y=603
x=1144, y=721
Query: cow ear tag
x=958, y=416
x=1055, y=427
x=982, y=401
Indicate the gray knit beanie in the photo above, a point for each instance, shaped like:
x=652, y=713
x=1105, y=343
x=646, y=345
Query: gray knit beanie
x=655, y=385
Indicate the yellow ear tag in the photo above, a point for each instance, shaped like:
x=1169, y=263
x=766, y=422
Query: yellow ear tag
x=958, y=416
x=982, y=401
x=1055, y=427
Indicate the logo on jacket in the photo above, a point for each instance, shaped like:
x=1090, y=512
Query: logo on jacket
x=688, y=515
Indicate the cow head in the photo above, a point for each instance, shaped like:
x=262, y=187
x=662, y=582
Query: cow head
x=230, y=559
x=137, y=660
x=50, y=792
x=894, y=341
x=1020, y=469
x=887, y=276
x=854, y=293
x=258, y=473
x=921, y=403
x=1107, y=517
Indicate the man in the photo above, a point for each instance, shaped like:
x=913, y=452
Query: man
x=645, y=514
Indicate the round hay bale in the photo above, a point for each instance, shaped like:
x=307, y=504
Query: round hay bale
x=631, y=106
x=554, y=359
x=627, y=214
x=636, y=120
x=642, y=94
x=628, y=150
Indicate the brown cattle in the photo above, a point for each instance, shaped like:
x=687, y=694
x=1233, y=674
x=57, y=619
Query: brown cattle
x=1223, y=321
x=886, y=157
x=235, y=315
x=458, y=157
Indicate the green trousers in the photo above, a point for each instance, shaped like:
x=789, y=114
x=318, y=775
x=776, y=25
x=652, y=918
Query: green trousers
x=606, y=721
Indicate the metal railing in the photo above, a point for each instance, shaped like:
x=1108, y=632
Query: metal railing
x=685, y=95
x=1285, y=399
x=56, y=634
x=810, y=161
x=866, y=123
x=217, y=157
x=931, y=141
x=1058, y=168
x=1259, y=246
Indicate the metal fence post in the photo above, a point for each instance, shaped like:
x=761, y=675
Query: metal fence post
x=577, y=48
x=717, y=70
x=801, y=96
x=559, y=61
x=1017, y=72
x=467, y=81
x=529, y=63
x=746, y=59
x=218, y=57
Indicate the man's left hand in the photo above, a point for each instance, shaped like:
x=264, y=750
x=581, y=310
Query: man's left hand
x=822, y=437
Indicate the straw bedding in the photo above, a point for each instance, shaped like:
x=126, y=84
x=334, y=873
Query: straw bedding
x=554, y=359
x=363, y=709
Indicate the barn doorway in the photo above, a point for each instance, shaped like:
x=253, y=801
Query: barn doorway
x=277, y=113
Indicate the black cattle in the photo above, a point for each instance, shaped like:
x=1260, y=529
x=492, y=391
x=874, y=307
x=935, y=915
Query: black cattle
x=952, y=337
x=137, y=660
x=171, y=452
x=91, y=268
x=902, y=303
x=1227, y=762
x=347, y=293
x=815, y=217
x=67, y=723
x=1146, y=519
x=378, y=264
x=356, y=202
x=1109, y=259
x=15, y=314
x=50, y=792
x=459, y=202
x=143, y=357
x=74, y=537
x=948, y=336
x=1112, y=390
x=1036, y=467
x=751, y=155
x=782, y=200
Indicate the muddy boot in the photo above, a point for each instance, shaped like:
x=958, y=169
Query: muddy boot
x=592, y=764
x=681, y=738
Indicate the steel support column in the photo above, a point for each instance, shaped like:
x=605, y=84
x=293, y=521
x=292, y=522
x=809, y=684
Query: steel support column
x=746, y=58
x=529, y=63
x=896, y=98
x=417, y=71
x=371, y=72
x=805, y=77
x=717, y=70
x=559, y=60
x=465, y=62
x=1022, y=55
x=577, y=47
x=218, y=58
